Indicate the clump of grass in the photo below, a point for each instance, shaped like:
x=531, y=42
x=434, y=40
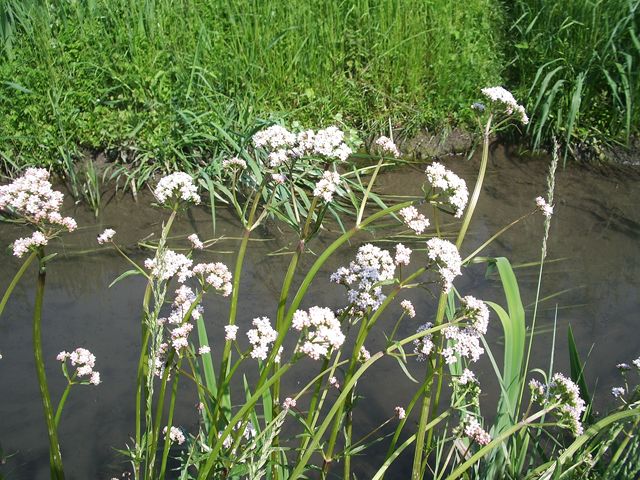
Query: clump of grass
x=577, y=64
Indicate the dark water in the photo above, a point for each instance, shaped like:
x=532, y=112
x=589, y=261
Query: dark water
x=593, y=270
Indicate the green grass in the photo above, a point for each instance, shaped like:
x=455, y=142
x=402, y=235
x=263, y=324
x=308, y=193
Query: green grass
x=156, y=80
x=576, y=63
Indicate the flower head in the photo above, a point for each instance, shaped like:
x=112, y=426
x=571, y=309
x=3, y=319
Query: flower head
x=386, y=145
x=216, y=275
x=106, y=236
x=327, y=185
x=261, y=337
x=545, y=208
x=322, y=331
x=230, y=332
x=447, y=259
x=414, y=219
x=175, y=435
x=177, y=186
x=504, y=98
x=84, y=361
x=451, y=184
x=195, y=241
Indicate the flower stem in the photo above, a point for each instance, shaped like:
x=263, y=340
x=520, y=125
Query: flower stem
x=63, y=400
x=55, y=457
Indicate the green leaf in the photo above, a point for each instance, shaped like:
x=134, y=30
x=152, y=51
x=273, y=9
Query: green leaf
x=124, y=275
x=577, y=370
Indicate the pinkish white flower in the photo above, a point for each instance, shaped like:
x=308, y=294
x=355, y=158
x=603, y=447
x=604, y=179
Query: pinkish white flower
x=414, y=219
x=278, y=178
x=234, y=163
x=326, y=186
x=195, y=241
x=505, y=98
x=261, y=337
x=177, y=186
x=564, y=394
x=289, y=403
x=447, y=260
x=230, y=332
x=216, y=275
x=363, y=355
x=23, y=245
x=545, y=208
x=204, y=350
x=322, y=331
x=175, y=435
x=84, y=361
x=451, y=184
x=386, y=145
x=423, y=346
x=333, y=381
x=273, y=137
x=32, y=197
x=475, y=432
x=106, y=236
x=407, y=306
x=170, y=264
x=403, y=255
x=400, y=413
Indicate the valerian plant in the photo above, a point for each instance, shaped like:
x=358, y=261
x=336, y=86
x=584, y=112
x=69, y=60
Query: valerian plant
x=298, y=177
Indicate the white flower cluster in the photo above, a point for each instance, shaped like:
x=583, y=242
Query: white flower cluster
x=84, y=361
x=451, y=184
x=566, y=394
x=261, y=337
x=333, y=381
x=505, y=97
x=400, y=413
x=545, y=208
x=283, y=144
x=177, y=186
x=106, y=236
x=423, y=346
x=322, y=331
x=215, y=274
x=475, y=432
x=234, y=163
x=414, y=219
x=465, y=341
x=196, y=243
x=371, y=266
x=636, y=363
x=175, y=435
x=278, y=178
x=363, y=355
x=230, y=332
x=618, y=392
x=181, y=305
x=32, y=197
x=386, y=145
x=467, y=377
x=407, y=306
x=327, y=185
x=447, y=258
x=169, y=264
x=403, y=255
x=23, y=245
x=289, y=403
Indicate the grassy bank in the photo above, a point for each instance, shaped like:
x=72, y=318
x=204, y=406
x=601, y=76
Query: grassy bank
x=160, y=84
x=155, y=79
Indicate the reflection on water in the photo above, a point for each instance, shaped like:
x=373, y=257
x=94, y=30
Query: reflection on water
x=594, y=240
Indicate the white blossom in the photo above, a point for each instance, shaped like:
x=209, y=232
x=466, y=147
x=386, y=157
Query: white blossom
x=175, y=435
x=414, y=219
x=273, y=137
x=475, y=432
x=23, y=245
x=407, y=306
x=216, y=275
x=322, y=331
x=386, y=145
x=230, y=332
x=106, y=236
x=451, y=184
x=423, y=346
x=195, y=241
x=505, y=98
x=234, y=163
x=169, y=264
x=617, y=392
x=327, y=185
x=400, y=413
x=176, y=186
x=403, y=255
x=447, y=258
x=261, y=337
x=545, y=208
x=84, y=361
x=289, y=403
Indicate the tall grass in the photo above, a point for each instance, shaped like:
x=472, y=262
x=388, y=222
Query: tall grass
x=577, y=64
x=155, y=80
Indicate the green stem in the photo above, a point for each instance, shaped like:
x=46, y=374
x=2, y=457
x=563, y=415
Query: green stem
x=368, y=191
x=63, y=400
x=16, y=279
x=172, y=405
x=57, y=470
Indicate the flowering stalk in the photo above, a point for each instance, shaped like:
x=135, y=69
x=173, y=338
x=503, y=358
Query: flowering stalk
x=55, y=457
x=429, y=404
